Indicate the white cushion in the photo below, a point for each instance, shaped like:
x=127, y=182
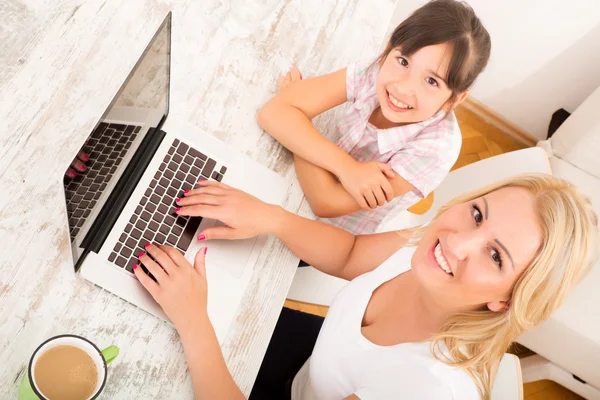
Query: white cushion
x=577, y=322
x=508, y=383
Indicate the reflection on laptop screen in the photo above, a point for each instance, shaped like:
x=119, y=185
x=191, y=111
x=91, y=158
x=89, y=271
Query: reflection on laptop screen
x=140, y=106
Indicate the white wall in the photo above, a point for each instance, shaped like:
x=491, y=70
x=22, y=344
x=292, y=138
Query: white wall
x=545, y=56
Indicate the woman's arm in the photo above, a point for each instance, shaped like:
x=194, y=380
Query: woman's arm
x=181, y=290
x=327, y=248
x=210, y=375
x=287, y=117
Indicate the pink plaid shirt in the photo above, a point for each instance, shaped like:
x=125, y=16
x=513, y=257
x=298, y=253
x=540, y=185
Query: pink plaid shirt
x=421, y=153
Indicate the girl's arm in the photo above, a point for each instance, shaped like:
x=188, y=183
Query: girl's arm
x=327, y=196
x=287, y=117
x=325, y=247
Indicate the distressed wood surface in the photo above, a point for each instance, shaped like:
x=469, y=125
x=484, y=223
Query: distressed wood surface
x=61, y=62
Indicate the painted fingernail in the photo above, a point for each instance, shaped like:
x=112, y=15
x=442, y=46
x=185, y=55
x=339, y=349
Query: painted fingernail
x=205, y=250
x=177, y=200
x=177, y=210
x=83, y=167
x=147, y=245
x=141, y=254
x=201, y=237
x=72, y=173
x=135, y=266
x=85, y=157
x=186, y=192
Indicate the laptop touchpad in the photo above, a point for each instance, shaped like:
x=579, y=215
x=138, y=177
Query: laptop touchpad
x=229, y=255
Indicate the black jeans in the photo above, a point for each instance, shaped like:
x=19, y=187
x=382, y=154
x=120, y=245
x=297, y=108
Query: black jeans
x=291, y=345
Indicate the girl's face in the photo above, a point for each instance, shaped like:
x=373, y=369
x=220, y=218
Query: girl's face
x=473, y=254
x=413, y=89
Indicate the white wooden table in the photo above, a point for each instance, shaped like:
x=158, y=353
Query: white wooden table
x=61, y=62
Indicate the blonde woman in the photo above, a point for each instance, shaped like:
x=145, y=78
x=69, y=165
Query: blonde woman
x=428, y=313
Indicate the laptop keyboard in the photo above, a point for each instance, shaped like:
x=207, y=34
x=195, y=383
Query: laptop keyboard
x=154, y=219
x=106, y=147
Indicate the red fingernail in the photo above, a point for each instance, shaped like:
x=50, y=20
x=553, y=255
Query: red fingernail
x=141, y=254
x=85, y=157
x=177, y=210
x=201, y=237
x=205, y=250
x=202, y=180
x=177, y=200
x=186, y=191
x=72, y=173
x=147, y=245
x=83, y=167
x=135, y=266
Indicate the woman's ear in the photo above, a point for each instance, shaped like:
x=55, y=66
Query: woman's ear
x=498, y=306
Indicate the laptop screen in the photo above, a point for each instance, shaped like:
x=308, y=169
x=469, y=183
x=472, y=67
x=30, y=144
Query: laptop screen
x=139, y=107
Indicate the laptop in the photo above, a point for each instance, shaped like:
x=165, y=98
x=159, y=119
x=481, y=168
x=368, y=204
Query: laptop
x=136, y=171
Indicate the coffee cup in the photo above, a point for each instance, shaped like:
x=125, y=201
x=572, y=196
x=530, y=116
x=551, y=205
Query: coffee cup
x=66, y=367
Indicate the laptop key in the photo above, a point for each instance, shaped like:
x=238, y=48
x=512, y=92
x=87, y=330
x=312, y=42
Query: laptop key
x=150, y=207
x=177, y=230
x=121, y=261
x=195, y=153
x=126, y=252
x=153, y=226
x=208, y=168
x=183, y=148
x=141, y=225
x=172, y=240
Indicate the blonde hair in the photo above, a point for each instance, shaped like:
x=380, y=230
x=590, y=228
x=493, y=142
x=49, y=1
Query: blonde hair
x=476, y=341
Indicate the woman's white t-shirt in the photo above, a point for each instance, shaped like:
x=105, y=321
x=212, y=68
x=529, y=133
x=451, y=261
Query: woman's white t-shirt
x=344, y=362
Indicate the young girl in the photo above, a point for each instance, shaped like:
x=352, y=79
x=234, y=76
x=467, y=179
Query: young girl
x=399, y=137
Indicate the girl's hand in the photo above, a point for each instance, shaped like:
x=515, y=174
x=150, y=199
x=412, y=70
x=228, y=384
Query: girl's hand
x=368, y=184
x=286, y=80
x=180, y=288
x=244, y=215
x=77, y=165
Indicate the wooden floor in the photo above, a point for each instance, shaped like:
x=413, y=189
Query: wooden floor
x=480, y=141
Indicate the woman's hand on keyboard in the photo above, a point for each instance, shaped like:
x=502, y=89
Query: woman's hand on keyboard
x=78, y=165
x=180, y=288
x=244, y=215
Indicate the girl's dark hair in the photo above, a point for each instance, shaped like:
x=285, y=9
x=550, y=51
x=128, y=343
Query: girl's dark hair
x=452, y=22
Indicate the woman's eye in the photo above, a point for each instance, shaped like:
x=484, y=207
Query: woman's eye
x=477, y=216
x=432, y=82
x=496, y=257
x=403, y=61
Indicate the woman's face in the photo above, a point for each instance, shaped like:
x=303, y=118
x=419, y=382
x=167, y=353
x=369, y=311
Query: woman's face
x=474, y=253
x=412, y=88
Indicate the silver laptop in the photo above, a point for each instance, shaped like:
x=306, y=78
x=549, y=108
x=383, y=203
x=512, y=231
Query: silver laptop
x=126, y=196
